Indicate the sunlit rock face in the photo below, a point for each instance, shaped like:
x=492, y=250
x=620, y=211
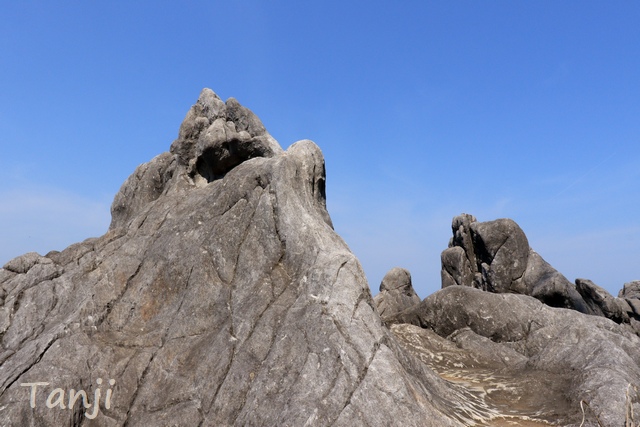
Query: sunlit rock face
x=524, y=358
x=221, y=295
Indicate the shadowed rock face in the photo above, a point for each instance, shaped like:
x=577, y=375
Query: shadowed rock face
x=221, y=295
x=495, y=256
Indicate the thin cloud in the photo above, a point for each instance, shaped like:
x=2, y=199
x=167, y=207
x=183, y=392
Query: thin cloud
x=43, y=219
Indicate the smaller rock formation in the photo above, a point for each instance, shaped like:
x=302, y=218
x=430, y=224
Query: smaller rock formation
x=601, y=303
x=630, y=296
x=396, y=293
x=630, y=290
x=588, y=356
x=495, y=256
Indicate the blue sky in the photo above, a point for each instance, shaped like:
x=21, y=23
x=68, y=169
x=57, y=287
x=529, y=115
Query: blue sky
x=424, y=110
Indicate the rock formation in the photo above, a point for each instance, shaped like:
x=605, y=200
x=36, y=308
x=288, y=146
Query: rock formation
x=221, y=295
x=599, y=348
x=396, y=293
x=495, y=256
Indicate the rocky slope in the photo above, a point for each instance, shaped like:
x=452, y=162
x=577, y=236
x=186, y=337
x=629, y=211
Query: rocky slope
x=221, y=295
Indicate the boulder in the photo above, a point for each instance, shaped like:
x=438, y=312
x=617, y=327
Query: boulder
x=502, y=250
x=23, y=263
x=396, y=293
x=601, y=303
x=549, y=286
x=630, y=290
x=495, y=256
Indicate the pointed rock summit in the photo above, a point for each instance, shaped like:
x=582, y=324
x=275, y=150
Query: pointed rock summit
x=222, y=296
x=214, y=138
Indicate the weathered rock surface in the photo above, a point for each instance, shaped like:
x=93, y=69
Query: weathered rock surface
x=396, y=293
x=601, y=303
x=221, y=295
x=601, y=357
x=629, y=299
x=214, y=138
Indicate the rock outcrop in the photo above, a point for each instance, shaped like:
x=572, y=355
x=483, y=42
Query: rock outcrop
x=396, y=293
x=221, y=295
x=595, y=342
x=629, y=299
x=495, y=256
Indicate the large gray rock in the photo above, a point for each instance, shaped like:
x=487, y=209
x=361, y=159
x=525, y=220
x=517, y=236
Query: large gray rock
x=488, y=255
x=495, y=256
x=502, y=250
x=602, y=303
x=220, y=295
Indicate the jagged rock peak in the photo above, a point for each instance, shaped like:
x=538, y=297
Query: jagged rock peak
x=223, y=303
x=214, y=138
